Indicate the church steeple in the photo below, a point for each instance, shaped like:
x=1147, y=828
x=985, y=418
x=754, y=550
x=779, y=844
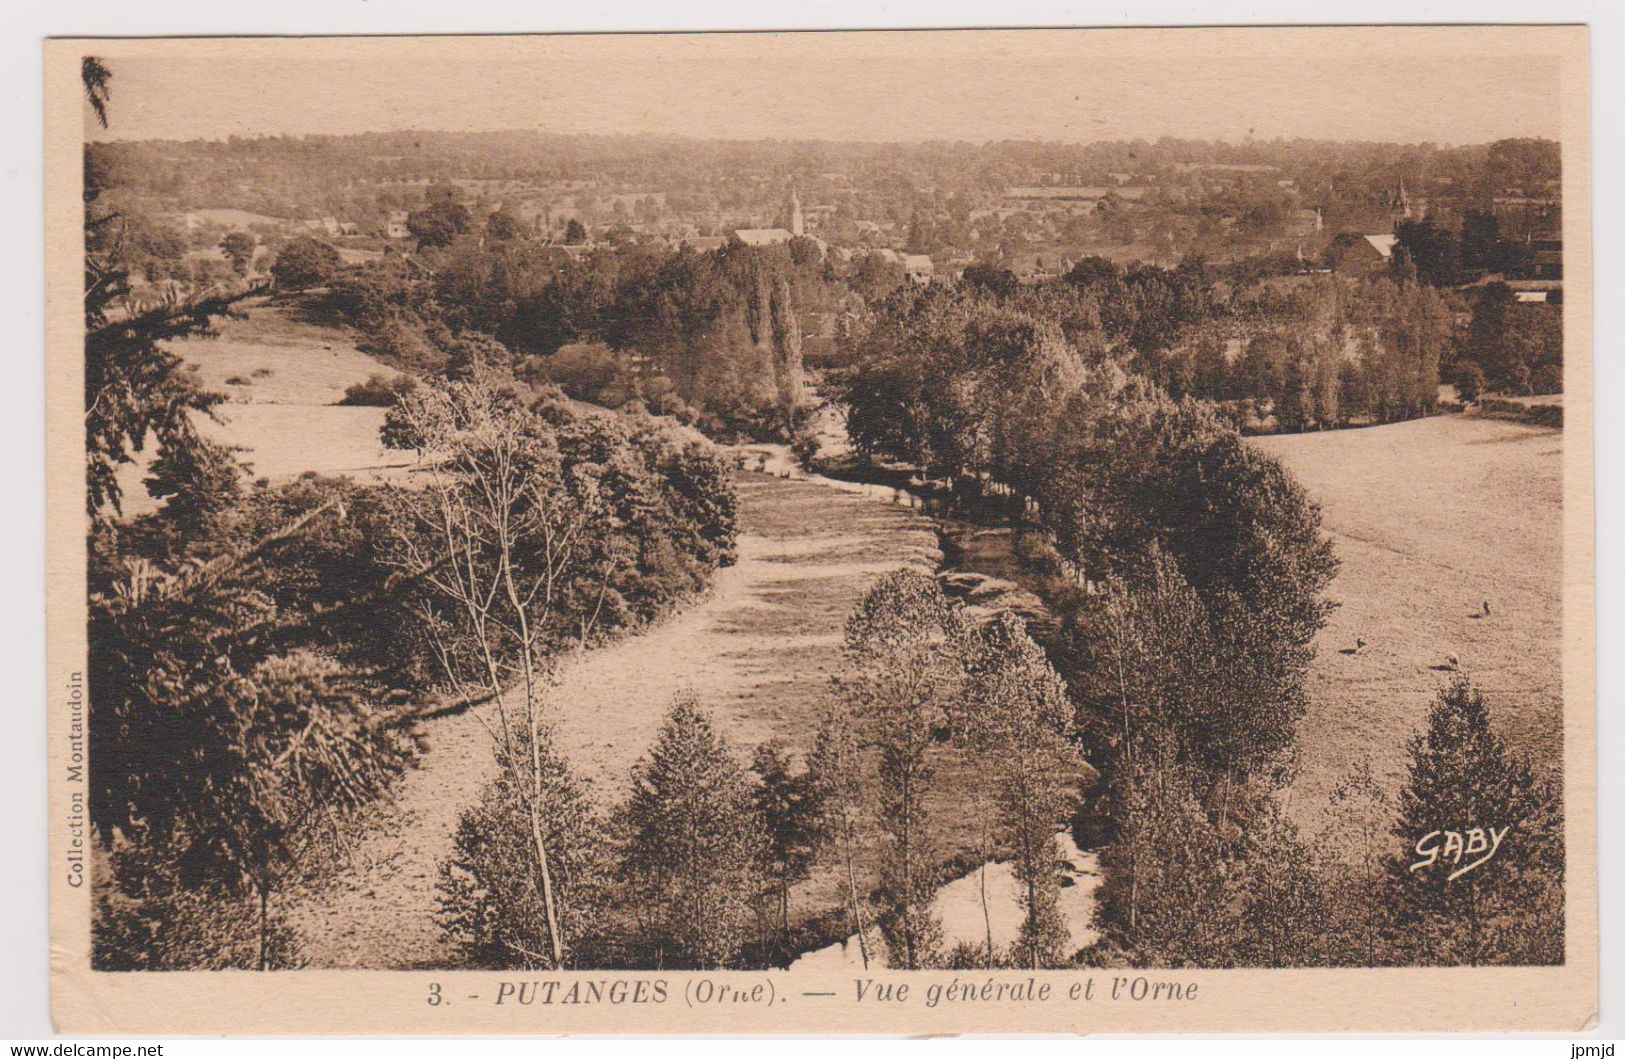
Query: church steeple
x=795, y=222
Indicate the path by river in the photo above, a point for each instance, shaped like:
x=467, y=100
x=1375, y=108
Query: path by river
x=758, y=651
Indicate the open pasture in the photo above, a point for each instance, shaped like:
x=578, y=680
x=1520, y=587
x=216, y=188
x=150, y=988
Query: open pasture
x=1432, y=519
x=282, y=375
x=273, y=354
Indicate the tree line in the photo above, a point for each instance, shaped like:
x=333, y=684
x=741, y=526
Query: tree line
x=1274, y=351
x=716, y=339
x=1187, y=571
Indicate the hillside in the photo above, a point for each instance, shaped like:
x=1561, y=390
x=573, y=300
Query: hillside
x=1432, y=519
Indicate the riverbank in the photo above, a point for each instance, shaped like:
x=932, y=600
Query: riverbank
x=759, y=651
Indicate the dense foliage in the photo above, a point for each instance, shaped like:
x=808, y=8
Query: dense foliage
x=1463, y=777
x=230, y=738
x=710, y=337
x=303, y=263
x=695, y=846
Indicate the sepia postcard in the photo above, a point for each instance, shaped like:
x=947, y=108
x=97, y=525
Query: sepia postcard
x=919, y=532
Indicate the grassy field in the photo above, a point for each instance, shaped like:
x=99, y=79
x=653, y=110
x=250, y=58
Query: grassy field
x=275, y=355
x=1432, y=519
x=282, y=376
x=758, y=652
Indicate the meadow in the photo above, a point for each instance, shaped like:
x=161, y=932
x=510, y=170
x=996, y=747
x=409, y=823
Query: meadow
x=1432, y=520
x=283, y=376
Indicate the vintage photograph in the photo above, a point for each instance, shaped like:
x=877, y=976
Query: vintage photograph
x=838, y=504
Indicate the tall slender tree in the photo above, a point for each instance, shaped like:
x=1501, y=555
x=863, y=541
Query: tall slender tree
x=695, y=844
x=836, y=769
x=1015, y=713
x=498, y=534
x=789, y=804
x=903, y=639
x=1352, y=861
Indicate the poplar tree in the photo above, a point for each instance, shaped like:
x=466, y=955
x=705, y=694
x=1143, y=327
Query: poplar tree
x=836, y=769
x=795, y=821
x=1284, y=921
x=1352, y=861
x=1163, y=900
x=1015, y=713
x=903, y=639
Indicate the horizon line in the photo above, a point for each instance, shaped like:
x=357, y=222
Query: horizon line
x=697, y=138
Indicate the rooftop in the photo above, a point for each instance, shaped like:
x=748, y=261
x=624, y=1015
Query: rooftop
x=762, y=236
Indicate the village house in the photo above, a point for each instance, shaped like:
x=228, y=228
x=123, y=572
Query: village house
x=1545, y=257
x=1360, y=255
x=794, y=226
x=762, y=236
x=703, y=243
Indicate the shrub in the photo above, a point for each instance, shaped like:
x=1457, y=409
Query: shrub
x=490, y=893
x=1469, y=381
x=379, y=391
x=151, y=920
x=1037, y=553
x=805, y=448
x=402, y=341
x=587, y=371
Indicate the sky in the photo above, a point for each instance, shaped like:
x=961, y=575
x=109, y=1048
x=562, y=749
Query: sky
x=1441, y=85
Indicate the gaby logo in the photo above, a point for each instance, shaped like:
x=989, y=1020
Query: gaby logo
x=1476, y=845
